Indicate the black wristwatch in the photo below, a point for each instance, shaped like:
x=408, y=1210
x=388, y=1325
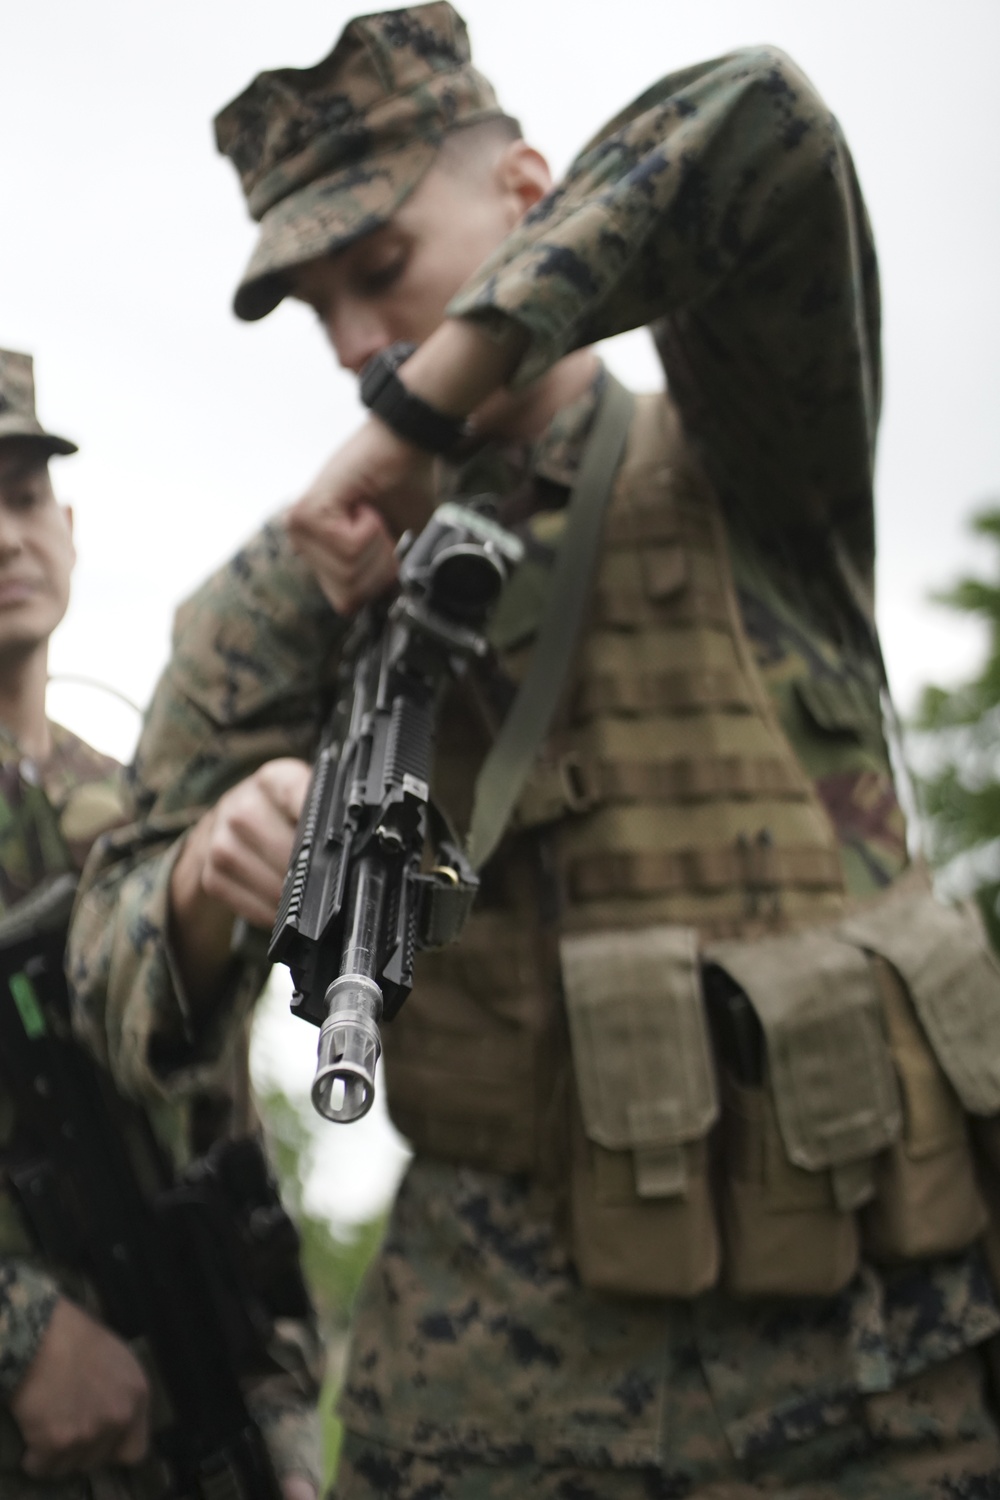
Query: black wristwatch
x=412, y=418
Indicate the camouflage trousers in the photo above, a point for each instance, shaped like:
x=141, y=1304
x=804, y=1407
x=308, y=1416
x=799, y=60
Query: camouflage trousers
x=934, y=1438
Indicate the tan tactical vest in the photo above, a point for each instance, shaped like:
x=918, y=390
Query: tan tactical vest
x=681, y=831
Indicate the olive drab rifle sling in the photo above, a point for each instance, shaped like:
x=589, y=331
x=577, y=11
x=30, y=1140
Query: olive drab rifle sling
x=510, y=759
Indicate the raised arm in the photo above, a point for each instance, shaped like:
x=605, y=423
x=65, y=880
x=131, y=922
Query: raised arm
x=722, y=209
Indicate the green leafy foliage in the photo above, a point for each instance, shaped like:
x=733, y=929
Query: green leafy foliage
x=959, y=748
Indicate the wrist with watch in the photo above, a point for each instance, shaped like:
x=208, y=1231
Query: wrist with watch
x=412, y=418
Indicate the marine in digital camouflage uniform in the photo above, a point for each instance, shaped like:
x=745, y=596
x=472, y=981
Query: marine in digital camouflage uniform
x=722, y=210
x=57, y=794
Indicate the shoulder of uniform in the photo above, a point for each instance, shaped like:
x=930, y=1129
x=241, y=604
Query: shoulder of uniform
x=70, y=750
x=85, y=787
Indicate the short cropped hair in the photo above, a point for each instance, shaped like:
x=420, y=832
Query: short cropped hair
x=465, y=150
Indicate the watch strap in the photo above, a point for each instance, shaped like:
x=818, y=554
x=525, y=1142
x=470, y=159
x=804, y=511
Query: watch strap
x=412, y=418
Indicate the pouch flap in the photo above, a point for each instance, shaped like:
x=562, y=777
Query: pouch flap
x=834, y=1087
x=954, y=982
x=640, y=1040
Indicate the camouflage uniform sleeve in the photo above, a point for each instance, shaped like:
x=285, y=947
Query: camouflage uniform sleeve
x=27, y=1298
x=723, y=209
x=254, y=653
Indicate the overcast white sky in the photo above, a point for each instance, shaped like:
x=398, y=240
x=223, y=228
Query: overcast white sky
x=123, y=235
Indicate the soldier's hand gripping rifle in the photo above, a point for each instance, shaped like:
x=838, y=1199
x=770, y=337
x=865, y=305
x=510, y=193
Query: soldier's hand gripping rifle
x=356, y=903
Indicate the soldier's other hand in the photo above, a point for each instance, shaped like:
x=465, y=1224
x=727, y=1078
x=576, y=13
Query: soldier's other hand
x=232, y=864
x=84, y=1401
x=373, y=489
x=240, y=849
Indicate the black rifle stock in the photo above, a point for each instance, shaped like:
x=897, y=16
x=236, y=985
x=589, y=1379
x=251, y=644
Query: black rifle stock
x=167, y=1258
x=357, y=904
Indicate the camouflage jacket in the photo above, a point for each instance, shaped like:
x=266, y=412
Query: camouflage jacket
x=722, y=210
x=81, y=787
x=85, y=792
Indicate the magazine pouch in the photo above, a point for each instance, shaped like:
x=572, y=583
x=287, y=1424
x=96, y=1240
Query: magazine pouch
x=801, y=1144
x=940, y=990
x=642, y=1215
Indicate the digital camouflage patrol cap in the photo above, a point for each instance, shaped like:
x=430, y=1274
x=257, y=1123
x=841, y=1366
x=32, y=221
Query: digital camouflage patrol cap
x=327, y=154
x=17, y=404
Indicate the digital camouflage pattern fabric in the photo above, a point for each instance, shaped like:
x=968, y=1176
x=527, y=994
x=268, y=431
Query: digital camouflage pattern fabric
x=474, y=1337
x=76, y=784
x=326, y=154
x=17, y=403
x=50, y=815
x=935, y=1442
x=722, y=210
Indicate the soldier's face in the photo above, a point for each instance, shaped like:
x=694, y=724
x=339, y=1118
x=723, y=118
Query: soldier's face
x=396, y=282
x=36, y=550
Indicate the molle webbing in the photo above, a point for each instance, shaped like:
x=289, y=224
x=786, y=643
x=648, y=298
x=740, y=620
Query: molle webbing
x=695, y=603
x=577, y=783
x=665, y=692
x=755, y=865
x=690, y=780
x=667, y=665
x=530, y=716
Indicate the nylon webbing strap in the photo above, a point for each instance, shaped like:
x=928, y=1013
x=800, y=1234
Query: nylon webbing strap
x=522, y=733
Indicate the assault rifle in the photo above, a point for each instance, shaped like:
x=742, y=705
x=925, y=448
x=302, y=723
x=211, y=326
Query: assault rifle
x=196, y=1268
x=357, y=904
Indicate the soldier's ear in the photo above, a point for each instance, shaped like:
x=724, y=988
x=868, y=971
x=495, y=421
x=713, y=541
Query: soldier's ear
x=523, y=176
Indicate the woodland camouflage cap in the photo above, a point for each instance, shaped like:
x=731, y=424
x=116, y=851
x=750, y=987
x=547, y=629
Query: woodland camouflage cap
x=328, y=153
x=17, y=403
